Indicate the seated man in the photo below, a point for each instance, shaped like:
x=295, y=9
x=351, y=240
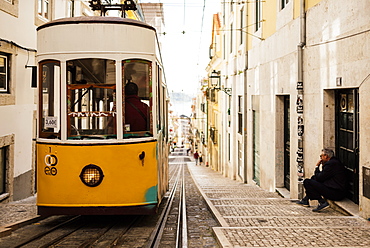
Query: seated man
x=136, y=112
x=329, y=183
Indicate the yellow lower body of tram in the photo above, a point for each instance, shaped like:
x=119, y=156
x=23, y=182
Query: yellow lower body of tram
x=114, y=178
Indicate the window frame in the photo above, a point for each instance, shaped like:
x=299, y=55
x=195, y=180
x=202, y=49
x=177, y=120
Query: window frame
x=231, y=37
x=43, y=9
x=3, y=169
x=240, y=114
x=150, y=131
x=6, y=89
x=91, y=99
x=258, y=14
x=42, y=133
x=283, y=3
x=241, y=26
x=10, y=7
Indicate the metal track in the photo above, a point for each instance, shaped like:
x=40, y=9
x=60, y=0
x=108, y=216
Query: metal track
x=178, y=188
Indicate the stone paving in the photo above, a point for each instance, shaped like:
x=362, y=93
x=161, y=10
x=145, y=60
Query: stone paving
x=252, y=217
x=13, y=212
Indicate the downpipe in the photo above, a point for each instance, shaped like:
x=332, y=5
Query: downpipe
x=299, y=103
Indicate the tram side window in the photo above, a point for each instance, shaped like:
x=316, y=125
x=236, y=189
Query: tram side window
x=137, y=92
x=91, y=99
x=50, y=100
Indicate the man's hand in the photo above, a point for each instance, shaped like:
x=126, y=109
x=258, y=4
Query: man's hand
x=319, y=163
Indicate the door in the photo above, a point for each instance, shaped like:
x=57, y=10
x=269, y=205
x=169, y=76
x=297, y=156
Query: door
x=287, y=142
x=347, y=137
x=256, y=147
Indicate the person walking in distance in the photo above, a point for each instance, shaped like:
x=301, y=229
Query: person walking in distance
x=200, y=158
x=330, y=182
x=196, y=157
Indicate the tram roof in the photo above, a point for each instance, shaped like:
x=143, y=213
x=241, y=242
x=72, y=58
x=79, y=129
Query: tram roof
x=95, y=19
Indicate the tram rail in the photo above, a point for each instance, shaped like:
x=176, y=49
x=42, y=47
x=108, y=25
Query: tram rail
x=83, y=232
x=178, y=189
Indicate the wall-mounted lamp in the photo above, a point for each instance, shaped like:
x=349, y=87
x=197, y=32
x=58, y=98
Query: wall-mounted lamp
x=215, y=80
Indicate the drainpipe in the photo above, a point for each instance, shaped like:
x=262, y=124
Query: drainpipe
x=245, y=114
x=300, y=119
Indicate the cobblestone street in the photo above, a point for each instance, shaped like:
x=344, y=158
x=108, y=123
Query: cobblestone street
x=247, y=215
x=252, y=217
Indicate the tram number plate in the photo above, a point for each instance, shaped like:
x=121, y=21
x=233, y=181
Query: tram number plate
x=51, y=122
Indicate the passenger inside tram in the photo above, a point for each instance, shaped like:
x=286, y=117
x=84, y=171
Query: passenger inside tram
x=136, y=112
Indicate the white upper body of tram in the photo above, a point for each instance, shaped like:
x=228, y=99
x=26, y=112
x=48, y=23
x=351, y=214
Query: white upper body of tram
x=97, y=52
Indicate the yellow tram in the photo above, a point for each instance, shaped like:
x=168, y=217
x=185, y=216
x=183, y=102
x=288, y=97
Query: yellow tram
x=102, y=147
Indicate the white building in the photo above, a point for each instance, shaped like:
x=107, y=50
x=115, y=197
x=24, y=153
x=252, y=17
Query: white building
x=19, y=20
x=299, y=73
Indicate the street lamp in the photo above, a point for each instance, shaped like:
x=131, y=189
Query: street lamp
x=215, y=80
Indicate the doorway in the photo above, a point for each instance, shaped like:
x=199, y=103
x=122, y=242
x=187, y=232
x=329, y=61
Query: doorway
x=347, y=137
x=287, y=142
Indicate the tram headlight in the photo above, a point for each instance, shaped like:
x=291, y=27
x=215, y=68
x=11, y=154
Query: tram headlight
x=91, y=175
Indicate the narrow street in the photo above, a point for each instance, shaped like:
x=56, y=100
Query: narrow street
x=231, y=214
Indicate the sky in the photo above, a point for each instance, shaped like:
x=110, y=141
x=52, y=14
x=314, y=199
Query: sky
x=186, y=55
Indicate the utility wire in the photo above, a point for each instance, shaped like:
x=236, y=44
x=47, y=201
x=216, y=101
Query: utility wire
x=201, y=31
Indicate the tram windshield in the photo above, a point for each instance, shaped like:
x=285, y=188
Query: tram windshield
x=91, y=89
x=137, y=95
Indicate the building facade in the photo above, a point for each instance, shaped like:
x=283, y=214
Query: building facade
x=299, y=74
x=18, y=99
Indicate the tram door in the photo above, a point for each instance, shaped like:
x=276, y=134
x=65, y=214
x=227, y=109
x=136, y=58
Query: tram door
x=347, y=137
x=287, y=142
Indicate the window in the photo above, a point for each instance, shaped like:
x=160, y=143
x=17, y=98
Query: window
x=10, y=6
x=203, y=107
x=258, y=14
x=70, y=8
x=43, y=8
x=213, y=95
x=49, y=99
x=160, y=99
x=4, y=73
x=3, y=158
x=213, y=135
x=231, y=37
x=137, y=93
x=240, y=114
x=91, y=99
x=284, y=3
x=241, y=25
x=224, y=46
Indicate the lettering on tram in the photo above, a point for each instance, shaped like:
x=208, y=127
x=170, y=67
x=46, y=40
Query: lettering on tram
x=51, y=161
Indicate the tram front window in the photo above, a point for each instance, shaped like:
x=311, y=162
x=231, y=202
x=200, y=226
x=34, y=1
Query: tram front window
x=91, y=90
x=137, y=98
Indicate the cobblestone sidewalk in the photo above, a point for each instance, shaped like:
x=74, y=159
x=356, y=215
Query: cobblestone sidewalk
x=252, y=217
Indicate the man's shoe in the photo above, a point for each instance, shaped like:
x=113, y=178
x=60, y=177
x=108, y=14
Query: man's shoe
x=303, y=202
x=321, y=206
